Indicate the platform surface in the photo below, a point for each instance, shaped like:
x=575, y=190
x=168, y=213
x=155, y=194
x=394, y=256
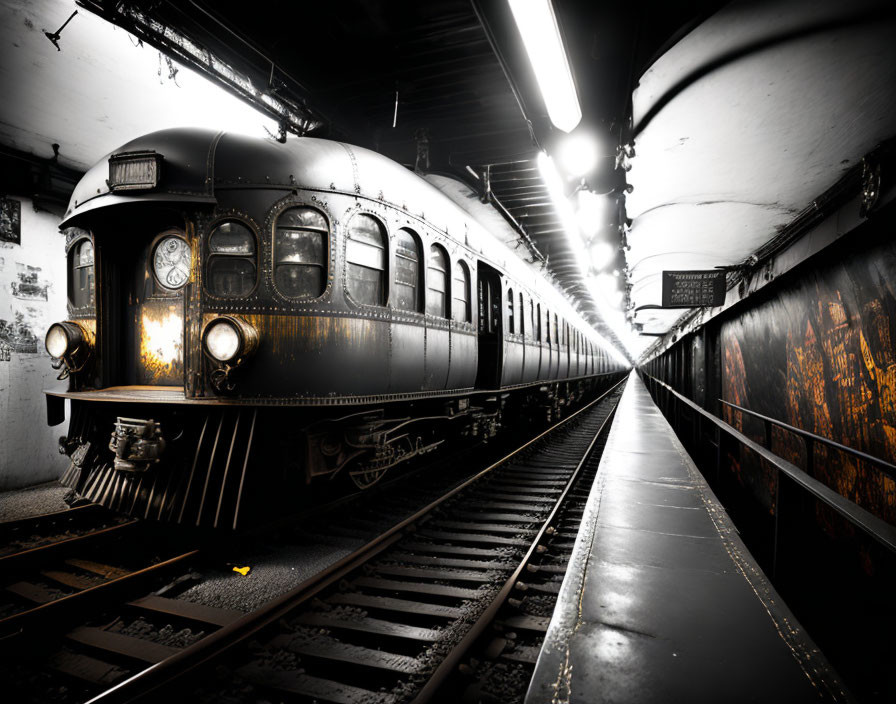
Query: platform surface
x=662, y=601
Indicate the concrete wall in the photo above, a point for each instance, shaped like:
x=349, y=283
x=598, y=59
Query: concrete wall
x=32, y=296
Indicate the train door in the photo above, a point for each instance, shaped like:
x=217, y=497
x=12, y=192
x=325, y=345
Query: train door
x=153, y=279
x=488, y=373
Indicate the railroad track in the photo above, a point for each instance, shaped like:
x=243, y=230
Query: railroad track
x=389, y=622
x=24, y=535
x=63, y=563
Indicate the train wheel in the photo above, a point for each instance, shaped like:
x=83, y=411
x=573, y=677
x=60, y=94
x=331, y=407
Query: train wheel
x=366, y=477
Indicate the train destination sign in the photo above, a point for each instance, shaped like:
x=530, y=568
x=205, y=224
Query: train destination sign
x=692, y=289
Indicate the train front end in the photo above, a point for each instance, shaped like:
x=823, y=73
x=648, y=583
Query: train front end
x=154, y=427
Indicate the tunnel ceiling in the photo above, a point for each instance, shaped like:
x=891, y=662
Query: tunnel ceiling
x=740, y=113
x=444, y=86
x=745, y=122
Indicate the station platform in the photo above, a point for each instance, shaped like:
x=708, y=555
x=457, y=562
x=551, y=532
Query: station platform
x=662, y=602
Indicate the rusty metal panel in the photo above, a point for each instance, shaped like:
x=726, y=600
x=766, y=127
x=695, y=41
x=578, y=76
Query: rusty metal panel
x=464, y=359
x=159, y=340
x=564, y=362
x=437, y=358
x=513, y=362
x=406, y=364
x=320, y=355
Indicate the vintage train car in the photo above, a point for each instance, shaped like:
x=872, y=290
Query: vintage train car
x=246, y=316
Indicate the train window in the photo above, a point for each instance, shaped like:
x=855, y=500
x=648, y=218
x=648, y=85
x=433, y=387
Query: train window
x=548, y=327
x=460, y=307
x=538, y=324
x=231, y=261
x=300, y=253
x=81, y=284
x=556, y=331
x=522, y=315
x=532, y=318
x=437, y=285
x=510, y=322
x=406, y=294
x=365, y=257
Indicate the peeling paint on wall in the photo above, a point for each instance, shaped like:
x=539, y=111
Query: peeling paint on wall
x=29, y=303
x=10, y=220
x=820, y=356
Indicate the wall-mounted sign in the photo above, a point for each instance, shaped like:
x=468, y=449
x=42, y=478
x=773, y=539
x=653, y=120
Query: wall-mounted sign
x=10, y=220
x=693, y=289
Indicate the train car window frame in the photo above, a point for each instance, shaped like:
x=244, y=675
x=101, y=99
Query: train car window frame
x=326, y=250
x=435, y=248
x=461, y=306
x=538, y=324
x=547, y=328
x=89, y=288
x=532, y=327
x=418, y=285
x=511, y=318
x=211, y=256
x=522, y=316
x=364, y=260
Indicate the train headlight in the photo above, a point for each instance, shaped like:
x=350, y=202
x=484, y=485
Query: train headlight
x=68, y=344
x=229, y=340
x=56, y=341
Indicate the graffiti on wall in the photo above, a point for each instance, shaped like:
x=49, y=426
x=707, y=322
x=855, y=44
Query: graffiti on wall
x=18, y=335
x=823, y=350
x=10, y=221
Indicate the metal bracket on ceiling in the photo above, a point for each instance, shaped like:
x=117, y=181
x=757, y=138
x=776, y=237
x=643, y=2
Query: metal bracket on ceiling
x=421, y=138
x=485, y=193
x=54, y=37
x=871, y=183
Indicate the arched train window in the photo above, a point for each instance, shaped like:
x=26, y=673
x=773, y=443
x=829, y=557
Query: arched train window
x=406, y=294
x=511, y=328
x=460, y=306
x=81, y=284
x=301, y=253
x=437, y=283
x=232, y=255
x=365, y=258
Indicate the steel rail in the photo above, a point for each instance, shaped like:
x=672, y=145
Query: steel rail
x=882, y=465
x=881, y=531
x=47, y=549
x=18, y=620
x=21, y=523
x=145, y=685
x=452, y=658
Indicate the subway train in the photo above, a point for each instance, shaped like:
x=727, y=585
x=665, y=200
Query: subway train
x=248, y=317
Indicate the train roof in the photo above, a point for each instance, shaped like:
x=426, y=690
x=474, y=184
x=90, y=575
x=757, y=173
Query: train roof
x=197, y=163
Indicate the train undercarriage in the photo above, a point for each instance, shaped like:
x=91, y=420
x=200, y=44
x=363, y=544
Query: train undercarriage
x=230, y=466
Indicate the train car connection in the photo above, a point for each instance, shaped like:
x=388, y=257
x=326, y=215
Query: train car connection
x=246, y=317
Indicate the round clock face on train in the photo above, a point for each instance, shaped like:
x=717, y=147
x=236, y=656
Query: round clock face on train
x=171, y=262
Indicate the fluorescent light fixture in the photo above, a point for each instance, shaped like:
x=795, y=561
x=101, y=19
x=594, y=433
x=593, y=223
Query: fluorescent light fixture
x=577, y=153
x=601, y=254
x=564, y=208
x=541, y=36
x=594, y=212
x=609, y=312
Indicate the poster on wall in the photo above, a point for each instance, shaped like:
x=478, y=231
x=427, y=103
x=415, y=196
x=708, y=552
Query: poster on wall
x=29, y=285
x=10, y=221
